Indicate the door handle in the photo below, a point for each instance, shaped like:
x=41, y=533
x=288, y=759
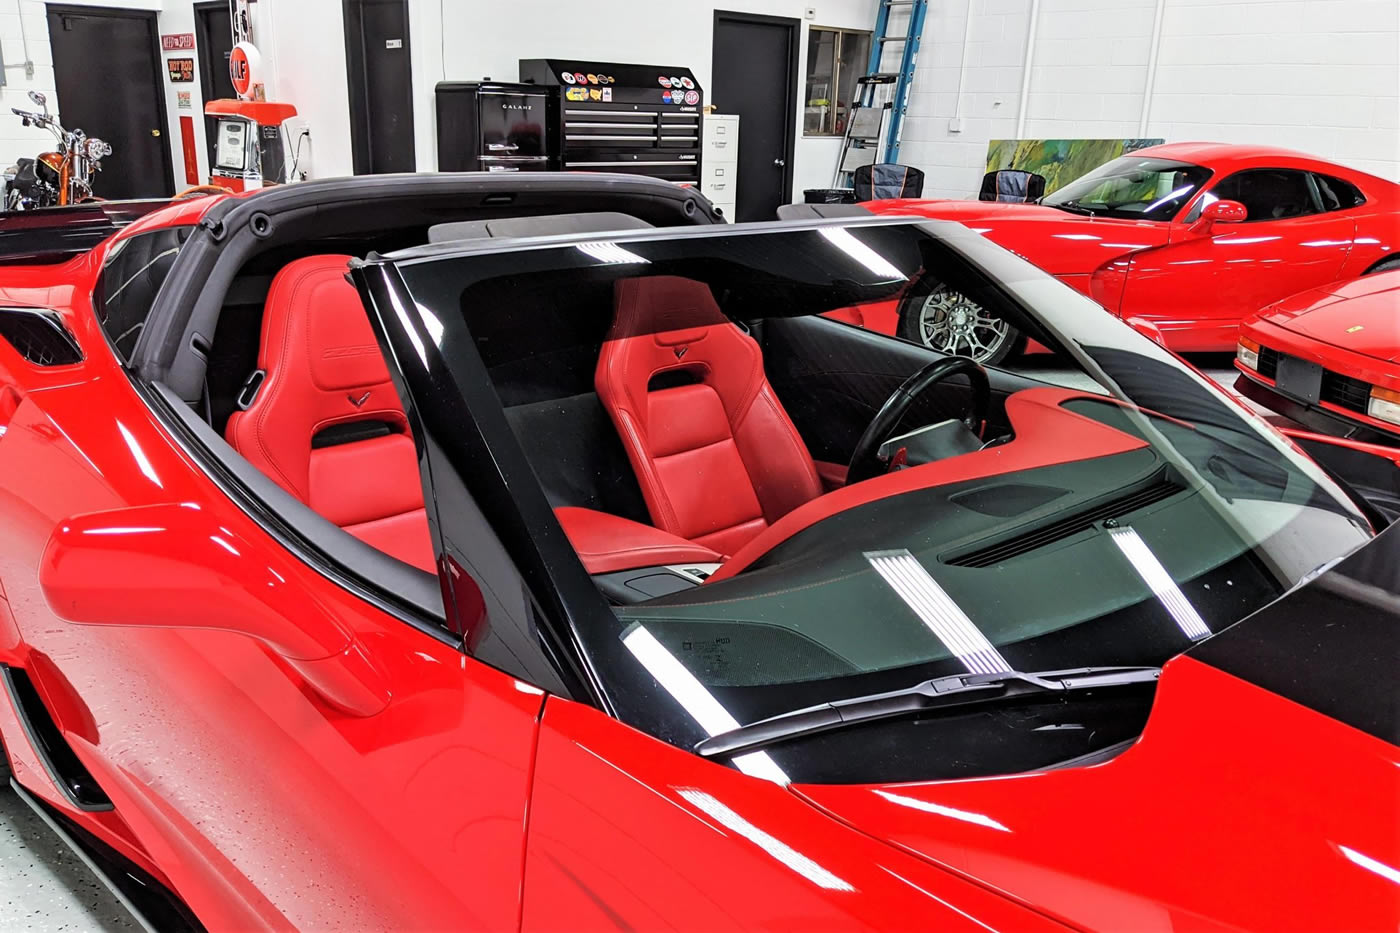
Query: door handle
x=155, y=133
x=780, y=162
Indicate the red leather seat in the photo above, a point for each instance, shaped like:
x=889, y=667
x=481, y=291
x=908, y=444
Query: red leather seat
x=324, y=370
x=717, y=457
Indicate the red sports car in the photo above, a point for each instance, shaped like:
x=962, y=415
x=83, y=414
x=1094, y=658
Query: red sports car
x=598, y=580
x=1187, y=237
x=1329, y=357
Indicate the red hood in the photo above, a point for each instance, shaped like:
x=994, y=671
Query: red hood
x=1236, y=809
x=1361, y=315
x=1057, y=241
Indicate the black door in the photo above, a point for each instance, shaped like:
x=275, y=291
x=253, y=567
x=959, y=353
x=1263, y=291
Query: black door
x=107, y=70
x=213, y=35
x=754, y=74
x=381, y=86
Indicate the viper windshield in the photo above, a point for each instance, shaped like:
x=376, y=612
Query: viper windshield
x=698, y=410
x=1133, y=188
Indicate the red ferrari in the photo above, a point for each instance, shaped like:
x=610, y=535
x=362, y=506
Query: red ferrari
x=1189, y=238
x=1329, y=357
x=381, y=555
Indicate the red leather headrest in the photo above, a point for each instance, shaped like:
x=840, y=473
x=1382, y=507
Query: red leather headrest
x=323, y=367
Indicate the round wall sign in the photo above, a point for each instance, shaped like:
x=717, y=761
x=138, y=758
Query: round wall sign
x=244, y=63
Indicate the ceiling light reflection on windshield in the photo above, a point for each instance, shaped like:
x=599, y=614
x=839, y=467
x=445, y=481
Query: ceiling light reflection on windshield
x=1159, y=581
x=610, y=253
x=867, y=257
x=775, y=847
x=691, y=694
x=1184, y=189
x=936, y=609
x=967, y=816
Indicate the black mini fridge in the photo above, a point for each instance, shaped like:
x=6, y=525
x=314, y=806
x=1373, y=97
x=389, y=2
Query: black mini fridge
x=488, y=126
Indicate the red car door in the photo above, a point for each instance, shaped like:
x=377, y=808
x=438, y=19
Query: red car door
x=287, y=751
x=1198, y=287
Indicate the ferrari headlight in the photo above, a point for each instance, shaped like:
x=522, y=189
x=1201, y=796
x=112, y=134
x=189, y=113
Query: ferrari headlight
x=1248, y=353
x=1384, y=405
x=98, y=148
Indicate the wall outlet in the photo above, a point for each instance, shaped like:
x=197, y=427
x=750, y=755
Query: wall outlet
x=809, y=13
x=955, y=124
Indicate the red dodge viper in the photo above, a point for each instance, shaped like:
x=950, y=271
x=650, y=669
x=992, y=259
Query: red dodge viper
x=533, y=554
x=1189, y=238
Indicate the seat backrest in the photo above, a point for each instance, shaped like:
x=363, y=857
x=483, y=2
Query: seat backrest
x=887, y=180
x=1009, y=184
x=324, y=421
x=715, y=454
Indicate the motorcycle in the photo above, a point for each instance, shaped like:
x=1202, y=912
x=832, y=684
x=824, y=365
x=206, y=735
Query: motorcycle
x=54, y=178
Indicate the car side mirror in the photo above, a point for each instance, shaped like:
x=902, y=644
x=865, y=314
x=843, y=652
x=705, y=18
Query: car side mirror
x=1223, y=212
x=1226, y=212
x=175, y=566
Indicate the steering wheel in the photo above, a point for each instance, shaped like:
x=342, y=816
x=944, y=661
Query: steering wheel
x=865, y=462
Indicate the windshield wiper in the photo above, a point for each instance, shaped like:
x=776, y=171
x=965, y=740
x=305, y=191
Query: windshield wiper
x=941, y=693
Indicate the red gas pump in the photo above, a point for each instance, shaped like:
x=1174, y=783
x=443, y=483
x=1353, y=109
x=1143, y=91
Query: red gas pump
x=253, y=144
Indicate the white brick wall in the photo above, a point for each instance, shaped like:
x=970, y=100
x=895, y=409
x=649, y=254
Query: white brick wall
x=1322, y=76
x=15, y=140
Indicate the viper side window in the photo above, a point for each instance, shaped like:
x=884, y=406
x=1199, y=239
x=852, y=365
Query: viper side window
x=1267, y=193
x=1337, y=195
x=131, y=277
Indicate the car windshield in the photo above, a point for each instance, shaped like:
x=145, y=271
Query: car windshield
x=697, y=405
x=1131, y=187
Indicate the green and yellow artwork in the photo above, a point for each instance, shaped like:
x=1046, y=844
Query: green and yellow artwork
x=1061, y=161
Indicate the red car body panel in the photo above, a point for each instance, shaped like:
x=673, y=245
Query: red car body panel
x=1351, y=328
x=354, y=822
x=1194, y=284
x=1183, y=831
x=627, y=833
x=400, y=784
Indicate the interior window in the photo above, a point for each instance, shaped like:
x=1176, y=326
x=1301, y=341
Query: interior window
x=1267, y=193
x=133, y=273
x=1337, y=195
x=835, y=59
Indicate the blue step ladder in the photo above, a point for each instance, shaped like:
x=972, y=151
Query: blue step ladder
x=874, y=135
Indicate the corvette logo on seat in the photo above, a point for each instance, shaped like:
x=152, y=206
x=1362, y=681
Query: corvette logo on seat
x=358, y=402
x=681, y=351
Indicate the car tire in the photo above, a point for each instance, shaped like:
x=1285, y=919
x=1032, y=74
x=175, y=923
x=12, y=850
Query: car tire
x=1385, y=265
x=937, y=316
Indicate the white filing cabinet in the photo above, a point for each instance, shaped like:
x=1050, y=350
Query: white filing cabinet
x=719, y=165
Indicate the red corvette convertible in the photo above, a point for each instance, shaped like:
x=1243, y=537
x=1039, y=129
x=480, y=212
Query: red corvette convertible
x=599, y=580
x=1329, y=357
x=1187, y=237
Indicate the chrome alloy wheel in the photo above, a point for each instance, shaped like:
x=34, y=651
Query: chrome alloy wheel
x=950, y=322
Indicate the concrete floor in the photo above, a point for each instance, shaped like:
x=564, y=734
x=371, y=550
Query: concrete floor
x=45, y=888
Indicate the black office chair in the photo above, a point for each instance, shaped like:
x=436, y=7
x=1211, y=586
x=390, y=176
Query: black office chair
x=887, y=180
